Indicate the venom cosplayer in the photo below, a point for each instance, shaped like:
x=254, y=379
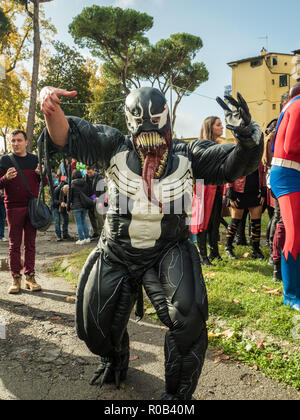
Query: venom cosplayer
x=147, y=242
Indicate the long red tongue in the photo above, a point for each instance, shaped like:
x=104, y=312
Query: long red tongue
x=151, y=165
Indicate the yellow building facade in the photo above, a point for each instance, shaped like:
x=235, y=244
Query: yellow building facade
x=262, y=80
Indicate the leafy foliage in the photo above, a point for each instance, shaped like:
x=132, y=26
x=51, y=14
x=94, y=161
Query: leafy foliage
x=5, y=25
x=67, y=69
x=113, y=34
x=117, y=37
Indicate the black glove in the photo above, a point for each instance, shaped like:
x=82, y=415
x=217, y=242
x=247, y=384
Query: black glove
x=230, y=194
x=239, y=122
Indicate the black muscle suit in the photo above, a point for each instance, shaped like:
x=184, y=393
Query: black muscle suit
x=150, y=248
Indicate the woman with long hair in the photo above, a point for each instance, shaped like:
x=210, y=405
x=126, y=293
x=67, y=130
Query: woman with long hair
x=208, y=229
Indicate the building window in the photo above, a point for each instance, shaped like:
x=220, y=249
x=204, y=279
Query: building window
x=274, y=61
x=283, y=80
x=256, y=63
x=274, y=106
x=273, y=81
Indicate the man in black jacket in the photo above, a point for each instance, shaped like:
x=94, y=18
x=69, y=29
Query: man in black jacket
x=95, y=183
x=145, y=239
x=60, y=212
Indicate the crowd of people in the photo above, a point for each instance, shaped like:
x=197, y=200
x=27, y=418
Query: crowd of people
x=79, y=197
x=247, y=198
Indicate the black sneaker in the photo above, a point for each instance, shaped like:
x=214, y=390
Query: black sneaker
x=230, y=253
x=68, y=238
x=205, y=261
x=257, y=254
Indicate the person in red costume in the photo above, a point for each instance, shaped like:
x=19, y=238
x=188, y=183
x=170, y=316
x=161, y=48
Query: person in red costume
x=285, y=184
x=208, y=226
x=246, y=193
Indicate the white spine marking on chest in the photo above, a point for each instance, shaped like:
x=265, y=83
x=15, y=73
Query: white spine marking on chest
x=145, y=226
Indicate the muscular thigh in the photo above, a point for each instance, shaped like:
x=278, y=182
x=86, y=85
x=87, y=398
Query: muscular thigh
x=105, y=301
x=176, y=276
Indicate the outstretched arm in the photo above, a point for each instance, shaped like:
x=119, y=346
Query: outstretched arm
x=88, y=143
x=56, y=122
x=222, y=163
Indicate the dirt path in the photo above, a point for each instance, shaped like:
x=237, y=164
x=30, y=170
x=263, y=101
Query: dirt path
x=42, y=359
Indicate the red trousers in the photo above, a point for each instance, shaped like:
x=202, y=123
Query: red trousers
x=19, y=227
x=290, y=213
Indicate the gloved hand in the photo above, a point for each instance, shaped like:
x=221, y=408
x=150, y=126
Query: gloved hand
x=230, y=194
x=239, y=121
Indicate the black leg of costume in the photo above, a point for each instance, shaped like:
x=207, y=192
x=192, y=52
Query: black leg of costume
x=105, y=298
x=214, y=226
x=255, y=239
x=231, y=231
x=240, y=234
x=201, y=241
x=176, y=289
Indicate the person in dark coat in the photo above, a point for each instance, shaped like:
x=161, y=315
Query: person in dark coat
x=60, y=213
x=79, y=185
x=95, y=182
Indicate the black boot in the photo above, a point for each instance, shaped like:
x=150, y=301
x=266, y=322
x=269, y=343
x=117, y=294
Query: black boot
x=277, y=271
x=201, y=240
x=214, y=254
x=255, y=239
x=231, y=231
x=256, y=252
x=240, y=234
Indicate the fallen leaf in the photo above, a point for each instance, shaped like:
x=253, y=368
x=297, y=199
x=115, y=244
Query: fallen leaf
x=252, y=291
x=271, y=291
x=209, y=275
x=249, y=347
x=235, y=301
x=261, y=346
x=228, y=333
x=53, y=318
x=71, y=299
x=221, y=358
x=246, y=255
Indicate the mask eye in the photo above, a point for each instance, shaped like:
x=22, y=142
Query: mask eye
x=139, y=121
x=155, y=120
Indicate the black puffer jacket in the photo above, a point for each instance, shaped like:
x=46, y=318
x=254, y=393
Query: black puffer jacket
x=77, y=185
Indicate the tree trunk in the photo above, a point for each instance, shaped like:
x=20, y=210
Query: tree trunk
x=174, y=112
x=5, y=143
x=35, y=73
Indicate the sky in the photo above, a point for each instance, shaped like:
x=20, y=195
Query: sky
x=230, y=30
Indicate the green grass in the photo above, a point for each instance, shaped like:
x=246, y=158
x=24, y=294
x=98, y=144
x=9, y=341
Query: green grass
x=249, y=324
x=245, y=322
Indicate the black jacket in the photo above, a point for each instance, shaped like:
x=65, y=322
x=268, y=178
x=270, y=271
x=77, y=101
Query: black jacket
x=57, y=191
x=77, y=185
x=95, y=184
